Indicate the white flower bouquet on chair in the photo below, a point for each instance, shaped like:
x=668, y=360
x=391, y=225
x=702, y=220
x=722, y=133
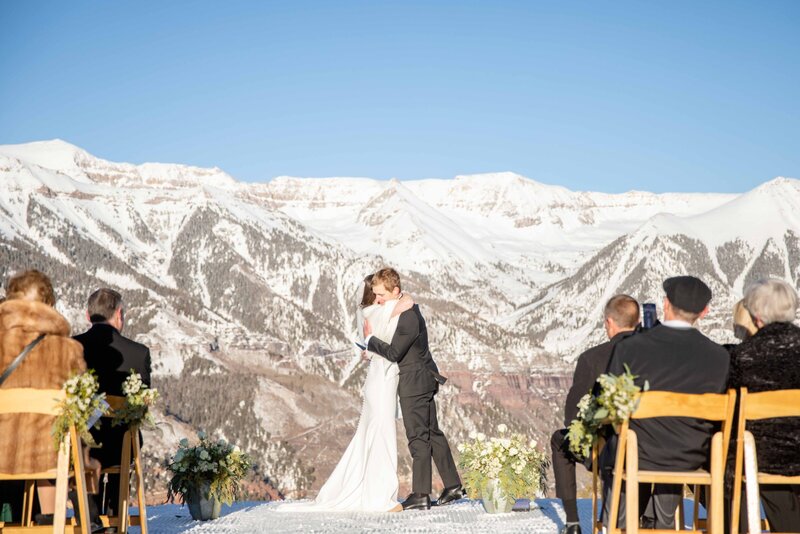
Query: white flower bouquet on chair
x=502, y=469
x=82, y=407
x=138, y=400
x=617, y=399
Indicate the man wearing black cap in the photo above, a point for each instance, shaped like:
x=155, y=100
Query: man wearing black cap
x=673, y=357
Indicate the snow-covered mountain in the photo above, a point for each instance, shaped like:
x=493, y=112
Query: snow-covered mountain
x=254, y=284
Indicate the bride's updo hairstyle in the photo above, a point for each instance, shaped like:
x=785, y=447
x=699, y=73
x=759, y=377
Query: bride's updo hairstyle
x=368, y=298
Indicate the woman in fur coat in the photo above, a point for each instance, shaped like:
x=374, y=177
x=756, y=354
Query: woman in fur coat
x=770, y=360
x=26, y=443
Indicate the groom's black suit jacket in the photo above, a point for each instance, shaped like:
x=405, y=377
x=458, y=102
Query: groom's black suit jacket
x=409, y=349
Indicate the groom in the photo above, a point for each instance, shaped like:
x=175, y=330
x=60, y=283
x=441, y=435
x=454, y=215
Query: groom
x=418, y=384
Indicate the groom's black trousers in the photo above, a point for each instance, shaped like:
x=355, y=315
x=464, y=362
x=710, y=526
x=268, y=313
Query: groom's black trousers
x=426, y=441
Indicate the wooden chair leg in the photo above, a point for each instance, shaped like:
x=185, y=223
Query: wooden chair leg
x=715, y=523
x=124, y=484
x=62, y=486
x=27, y=502
x=80, y=481
x=140, y=493
x=632, y=484
x=595, y=480
x=696, y=507
x=751, y=483
x=616, y=485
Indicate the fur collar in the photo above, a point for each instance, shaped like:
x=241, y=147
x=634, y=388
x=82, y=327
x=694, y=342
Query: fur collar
x=32, y=317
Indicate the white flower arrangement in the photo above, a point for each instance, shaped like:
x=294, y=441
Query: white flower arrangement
x=217, y=463
x=138, y=400
x=82, y=404
x=511, y=459
x=616, y=401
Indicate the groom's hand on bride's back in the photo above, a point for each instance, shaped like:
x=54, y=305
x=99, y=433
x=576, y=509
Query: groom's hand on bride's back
x=405, y=303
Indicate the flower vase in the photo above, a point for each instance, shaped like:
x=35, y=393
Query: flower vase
x=202, y=506
x=494, y=499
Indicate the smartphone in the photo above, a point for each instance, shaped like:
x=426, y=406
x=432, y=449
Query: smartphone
x=648, y=315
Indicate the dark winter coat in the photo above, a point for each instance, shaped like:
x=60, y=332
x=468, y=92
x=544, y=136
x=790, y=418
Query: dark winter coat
x=591, y=364
x=768, y=361
x=681, y=360
x=112, y=356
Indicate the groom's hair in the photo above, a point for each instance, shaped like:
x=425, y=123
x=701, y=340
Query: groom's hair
x=388, y=277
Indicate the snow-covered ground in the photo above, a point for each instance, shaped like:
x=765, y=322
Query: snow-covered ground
x=465, y=516
x=546, y=516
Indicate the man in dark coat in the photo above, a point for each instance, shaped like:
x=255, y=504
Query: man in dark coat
x=418, y=383
x=621, y=316
x=112, y=356
x=671, y=357
x=768, y=361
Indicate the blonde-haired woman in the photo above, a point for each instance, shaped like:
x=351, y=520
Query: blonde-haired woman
x=766, y=361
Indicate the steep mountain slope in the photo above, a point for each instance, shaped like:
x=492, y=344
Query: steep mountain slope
x=751, y=237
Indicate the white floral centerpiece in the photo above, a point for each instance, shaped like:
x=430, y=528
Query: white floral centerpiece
x=502, y=469
x=617, y=399
x=207, y=475
x=82, y=407
x=138, y=400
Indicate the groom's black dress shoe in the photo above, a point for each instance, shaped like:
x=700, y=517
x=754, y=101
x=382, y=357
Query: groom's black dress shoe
x=450, y=494
x=571, y=528
x=417, y=501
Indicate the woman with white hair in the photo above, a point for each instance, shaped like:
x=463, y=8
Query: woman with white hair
x=766, y=361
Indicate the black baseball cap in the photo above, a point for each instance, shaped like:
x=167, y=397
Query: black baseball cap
x=687, y=293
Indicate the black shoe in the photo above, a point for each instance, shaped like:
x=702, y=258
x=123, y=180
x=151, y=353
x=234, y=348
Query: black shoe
x=94, y=516
x=43, y=519
x=450, y=494
x=417, y=501
x=647, y=523
x=571, y=528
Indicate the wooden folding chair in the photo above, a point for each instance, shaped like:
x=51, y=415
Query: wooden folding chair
x=45, y=402
x=753, y=407
x=710, y=407
x=130, y=453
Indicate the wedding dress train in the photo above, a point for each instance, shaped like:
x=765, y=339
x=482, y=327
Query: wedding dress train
x=365, y=479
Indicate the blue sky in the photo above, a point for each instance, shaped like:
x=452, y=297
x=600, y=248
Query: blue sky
x=605, y=96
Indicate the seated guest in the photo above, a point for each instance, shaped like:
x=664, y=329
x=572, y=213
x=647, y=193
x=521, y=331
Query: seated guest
x=671, y=357
x=621, y=316
x=743, y=326
x=26, y=443
x=112, y=356
x=770, y=360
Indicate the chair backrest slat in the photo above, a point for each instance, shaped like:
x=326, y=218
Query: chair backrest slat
x=708, y=406
x=771, y=404
x=30, y=400
x=115, y=402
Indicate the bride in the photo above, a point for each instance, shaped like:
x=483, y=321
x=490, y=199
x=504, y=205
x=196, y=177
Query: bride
x=365, y=479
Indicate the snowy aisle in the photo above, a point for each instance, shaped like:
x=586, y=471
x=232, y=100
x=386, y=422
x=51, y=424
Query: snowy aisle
x=462, y=517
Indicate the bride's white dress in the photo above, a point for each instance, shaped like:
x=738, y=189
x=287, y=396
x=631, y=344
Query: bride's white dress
x=365, y=479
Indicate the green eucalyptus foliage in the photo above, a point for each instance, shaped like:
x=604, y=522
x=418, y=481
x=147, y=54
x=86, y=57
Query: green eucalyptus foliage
x=614, y=404
x=219, y=463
